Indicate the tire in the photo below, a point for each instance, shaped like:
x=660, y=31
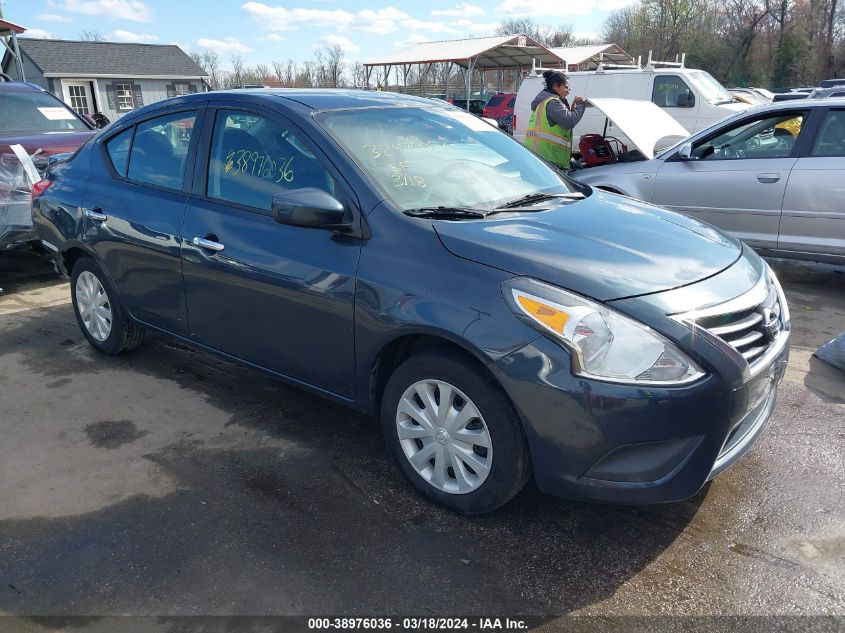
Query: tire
x=111, y=332
x=471, y=478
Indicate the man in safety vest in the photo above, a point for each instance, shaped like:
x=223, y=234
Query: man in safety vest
x=550, y=128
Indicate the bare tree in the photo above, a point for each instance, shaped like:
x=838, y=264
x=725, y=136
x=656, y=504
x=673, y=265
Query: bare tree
x=358, y=74
x=237, y=76
x=91, y=36
x=330, y=66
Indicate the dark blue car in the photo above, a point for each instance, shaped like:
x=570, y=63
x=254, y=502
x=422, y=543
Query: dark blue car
x=404, y=258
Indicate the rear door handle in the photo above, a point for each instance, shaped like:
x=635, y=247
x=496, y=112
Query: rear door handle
x=768, y=178
x=96, y=215
x=207, y=244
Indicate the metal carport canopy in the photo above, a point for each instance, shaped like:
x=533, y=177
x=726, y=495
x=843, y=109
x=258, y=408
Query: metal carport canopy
x=503, y=51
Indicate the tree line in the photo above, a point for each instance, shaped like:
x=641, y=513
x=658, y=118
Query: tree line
x=764, y=43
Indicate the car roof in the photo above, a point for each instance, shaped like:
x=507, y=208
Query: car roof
x=330, y=99
x=20, y=86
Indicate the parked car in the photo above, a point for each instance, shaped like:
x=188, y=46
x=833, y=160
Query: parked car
x=39, y=122
x=476, y=106
x=749, y=96
x=692, y=97
x=406, y=259
x=500, y=106
x=824, y=93
x=831, y=83
x=769, y=176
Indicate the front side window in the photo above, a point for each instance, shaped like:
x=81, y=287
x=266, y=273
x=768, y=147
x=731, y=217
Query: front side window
x=160, y=150
x=831, y=138
x=254, y=157
x=428, y=157
x=669, y=91
x=771, y=136
x=125, y=100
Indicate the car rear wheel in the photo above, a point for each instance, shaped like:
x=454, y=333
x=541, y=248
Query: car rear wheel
x=454, y=433
x=100, y=316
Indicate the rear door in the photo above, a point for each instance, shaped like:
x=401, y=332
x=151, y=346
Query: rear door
x=737, y=177
x=275, y=295
x=813, y=218
x=134, y=207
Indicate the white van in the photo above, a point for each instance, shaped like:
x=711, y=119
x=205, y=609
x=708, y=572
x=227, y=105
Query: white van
x=692, y=97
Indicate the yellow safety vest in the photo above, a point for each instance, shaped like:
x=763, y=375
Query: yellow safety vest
x=549, y=140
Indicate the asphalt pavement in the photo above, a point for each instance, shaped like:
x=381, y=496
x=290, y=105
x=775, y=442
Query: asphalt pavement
x=171, y=482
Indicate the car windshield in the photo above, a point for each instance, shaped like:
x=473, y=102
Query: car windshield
x=440, y=157
x=711, y=90
x=25, y=111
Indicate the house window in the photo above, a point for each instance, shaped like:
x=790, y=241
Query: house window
x=125, y=101
x=183, y=88
x=79, y=99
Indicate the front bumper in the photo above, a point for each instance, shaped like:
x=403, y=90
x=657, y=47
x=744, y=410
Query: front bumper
x=625, y=444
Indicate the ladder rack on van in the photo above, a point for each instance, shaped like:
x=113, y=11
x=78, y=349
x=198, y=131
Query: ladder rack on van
x=652, y=63
x=601, y=67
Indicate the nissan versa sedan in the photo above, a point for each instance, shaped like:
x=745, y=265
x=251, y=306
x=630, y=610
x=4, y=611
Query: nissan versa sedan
x=773, y=176
x=404, y=258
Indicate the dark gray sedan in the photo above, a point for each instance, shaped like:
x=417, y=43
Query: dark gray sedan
x=408, y=260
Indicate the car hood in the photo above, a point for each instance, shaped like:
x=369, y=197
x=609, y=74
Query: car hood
x=606, y=247
x=644, y=123
x=48, y=142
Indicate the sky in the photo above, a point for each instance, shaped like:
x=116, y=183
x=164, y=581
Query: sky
x=262, y=32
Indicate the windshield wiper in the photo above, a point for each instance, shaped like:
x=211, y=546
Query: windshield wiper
x=446, y=213
x=533, y=198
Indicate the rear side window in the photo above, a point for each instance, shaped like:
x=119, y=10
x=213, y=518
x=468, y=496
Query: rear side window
x=254, y=157
x=512, y=102
x=831, y=138
x=118, y=149
x=160, y=150
x=495, y=100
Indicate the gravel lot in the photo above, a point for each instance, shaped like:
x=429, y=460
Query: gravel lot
x=170, y=482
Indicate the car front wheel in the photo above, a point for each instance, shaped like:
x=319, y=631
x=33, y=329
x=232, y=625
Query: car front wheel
x=454, y=433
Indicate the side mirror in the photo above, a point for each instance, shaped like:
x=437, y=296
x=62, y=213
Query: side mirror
x=308, y=207
x=685, y=152
x=686, y=100
x=100, y=120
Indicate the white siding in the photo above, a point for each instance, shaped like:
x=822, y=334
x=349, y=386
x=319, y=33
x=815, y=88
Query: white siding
x=152, y=90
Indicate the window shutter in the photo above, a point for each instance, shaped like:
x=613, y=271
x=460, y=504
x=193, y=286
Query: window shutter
x=111, y=96
x=136, y=92
x=171, y=90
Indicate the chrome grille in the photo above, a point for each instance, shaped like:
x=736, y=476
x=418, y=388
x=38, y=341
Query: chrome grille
x=750, y=331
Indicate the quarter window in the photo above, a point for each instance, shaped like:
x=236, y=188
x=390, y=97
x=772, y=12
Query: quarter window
x=125, y=99
x=254, y=157
x=160, y=150
x=118, y=149
x=831, y=138
x=668, y=89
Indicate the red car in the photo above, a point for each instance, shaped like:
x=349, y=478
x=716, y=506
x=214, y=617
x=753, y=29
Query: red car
x=500, y=106
x=36, y=120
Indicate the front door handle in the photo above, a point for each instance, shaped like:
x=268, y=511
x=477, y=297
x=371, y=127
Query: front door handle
x=96, y=215
x=768, y=178
x=207, y=244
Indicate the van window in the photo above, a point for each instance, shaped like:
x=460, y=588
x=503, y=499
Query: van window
x=667, y=89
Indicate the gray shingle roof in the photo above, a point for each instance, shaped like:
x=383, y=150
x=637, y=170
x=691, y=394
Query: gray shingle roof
x=109, y=58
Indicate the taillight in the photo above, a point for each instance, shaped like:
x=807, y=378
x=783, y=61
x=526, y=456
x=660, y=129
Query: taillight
x=513, y=123
x=40, y=187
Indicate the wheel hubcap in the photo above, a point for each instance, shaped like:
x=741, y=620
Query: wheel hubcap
x=94, y=306
x=444, y=436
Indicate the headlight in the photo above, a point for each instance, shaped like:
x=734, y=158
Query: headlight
x=605, y=344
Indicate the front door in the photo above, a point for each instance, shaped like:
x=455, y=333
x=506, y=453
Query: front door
x=736, y=177
x=78, y=96
x=278, y=296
